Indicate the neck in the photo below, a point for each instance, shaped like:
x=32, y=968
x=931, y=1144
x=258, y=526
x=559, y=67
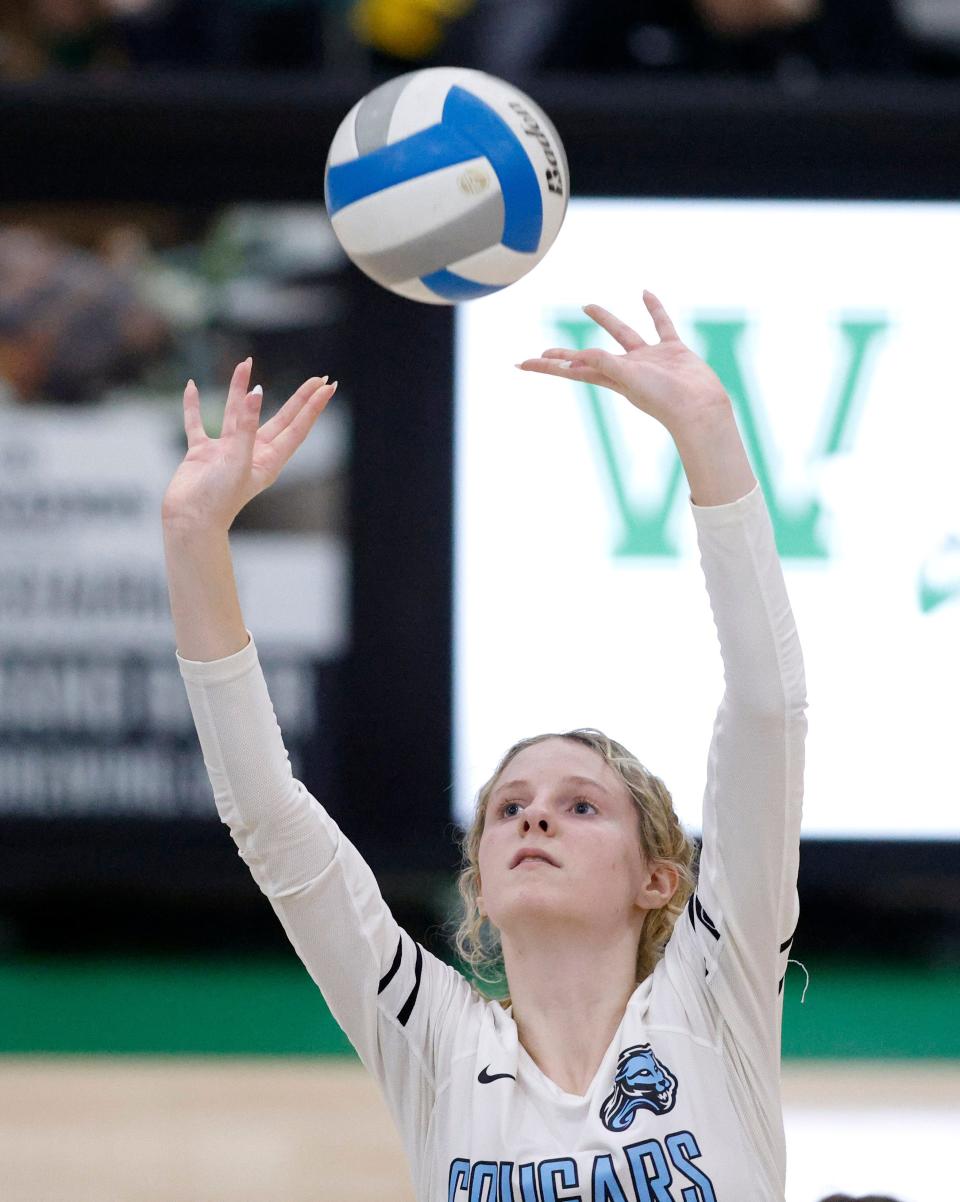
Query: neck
x=569, y=996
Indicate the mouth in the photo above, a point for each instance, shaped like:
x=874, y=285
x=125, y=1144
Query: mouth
x=533, y=857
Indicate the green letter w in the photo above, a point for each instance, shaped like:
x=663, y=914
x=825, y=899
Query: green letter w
x=645, y=528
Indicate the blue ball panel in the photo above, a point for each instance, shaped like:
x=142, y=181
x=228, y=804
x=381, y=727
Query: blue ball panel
x=429, y=150
x=475, y=120
x=455, y=288
x=469, y=128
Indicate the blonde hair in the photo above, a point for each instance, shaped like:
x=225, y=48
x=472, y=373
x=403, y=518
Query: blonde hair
x=662, y=838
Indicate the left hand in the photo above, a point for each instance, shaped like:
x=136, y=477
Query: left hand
x=665, y=380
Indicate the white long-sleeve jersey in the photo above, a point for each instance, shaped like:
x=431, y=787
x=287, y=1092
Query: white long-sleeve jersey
x=685, y=1105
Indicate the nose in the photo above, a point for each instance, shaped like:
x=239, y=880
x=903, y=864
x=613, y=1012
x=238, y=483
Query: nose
x=539, y=822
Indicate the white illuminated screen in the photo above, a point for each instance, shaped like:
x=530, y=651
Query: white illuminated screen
x=841, y=320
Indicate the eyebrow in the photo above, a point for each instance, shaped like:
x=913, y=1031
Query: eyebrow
x=567, y=780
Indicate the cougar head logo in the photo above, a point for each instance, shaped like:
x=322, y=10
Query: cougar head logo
x=641, y=1082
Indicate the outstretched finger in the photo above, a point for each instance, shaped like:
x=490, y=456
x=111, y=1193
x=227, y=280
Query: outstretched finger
x=605, y=365
x=569, y=355
x=236, y=395
x=564, y=369
x=663, y=323
x=247, y=422
x=287, y=441
x=628, y=338
x=192, y=422
x=289, y=410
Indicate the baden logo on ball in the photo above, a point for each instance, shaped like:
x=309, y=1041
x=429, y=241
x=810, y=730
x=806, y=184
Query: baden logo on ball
x=446, y=184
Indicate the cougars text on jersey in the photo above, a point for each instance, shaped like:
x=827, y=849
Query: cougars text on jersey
x=653, y=1171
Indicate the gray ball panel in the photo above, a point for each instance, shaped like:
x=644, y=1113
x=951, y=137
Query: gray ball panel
x=373, y=117
x=466, y=235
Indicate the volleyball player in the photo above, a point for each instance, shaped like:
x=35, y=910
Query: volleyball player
x=637, y=1055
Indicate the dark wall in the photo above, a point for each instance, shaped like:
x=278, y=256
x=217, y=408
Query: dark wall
x=177, y=139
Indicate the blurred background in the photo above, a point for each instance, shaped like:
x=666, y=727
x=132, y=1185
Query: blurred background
x=788, y=167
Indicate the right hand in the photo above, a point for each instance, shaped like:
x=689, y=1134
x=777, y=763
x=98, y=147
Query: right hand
x=218, y=476
x=664, y=379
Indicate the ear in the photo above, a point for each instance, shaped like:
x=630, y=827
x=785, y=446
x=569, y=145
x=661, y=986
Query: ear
x=661, y=885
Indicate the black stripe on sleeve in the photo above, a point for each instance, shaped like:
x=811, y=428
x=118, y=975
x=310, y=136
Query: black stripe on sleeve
x=780, y=986
x=392, y=972
x=707, y=920
x=409, y=1003
x=784, y=946
x=690, y=912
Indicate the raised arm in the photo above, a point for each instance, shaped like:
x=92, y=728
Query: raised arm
x=388, y=993
x=745, y=908
x=216, y=479
x=242, y=745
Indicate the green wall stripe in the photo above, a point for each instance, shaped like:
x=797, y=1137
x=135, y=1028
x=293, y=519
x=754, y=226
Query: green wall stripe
x=272, y=1008
x=248, y=1007
x=872, y=1011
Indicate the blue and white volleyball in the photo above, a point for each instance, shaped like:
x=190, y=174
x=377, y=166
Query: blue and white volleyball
x=446, y=184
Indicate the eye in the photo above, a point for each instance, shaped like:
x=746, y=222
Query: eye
x=582, y=801
x=505, y=806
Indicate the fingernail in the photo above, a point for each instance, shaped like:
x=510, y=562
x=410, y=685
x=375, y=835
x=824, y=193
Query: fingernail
x=323, y=379
x=258, y=390
x=564, y=363
x=335, y=383
x=190, y=383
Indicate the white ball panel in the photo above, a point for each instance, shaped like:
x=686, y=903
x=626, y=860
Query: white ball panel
x=497, y=93
x=420, y=105
x=554, y=211
x=409, y=210
x=496, y=265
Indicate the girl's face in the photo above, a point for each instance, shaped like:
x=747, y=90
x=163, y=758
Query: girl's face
x=561, y=799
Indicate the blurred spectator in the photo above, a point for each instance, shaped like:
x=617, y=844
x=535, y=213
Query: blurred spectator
x=406, y=30
x=736, y=18
x=227, y=34
x=865, y=1198
x=934, y=26
x=933, y=18
x=766, y=37
x=37, y=36
x=778, y=38
x=43, y=35
x=71, y=323
x=785, y=39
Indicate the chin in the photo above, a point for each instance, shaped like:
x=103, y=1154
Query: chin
x=535, y=908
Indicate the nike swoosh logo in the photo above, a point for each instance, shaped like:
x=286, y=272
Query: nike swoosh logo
x=940, y=575
x=932, y=596
x=485, y=1078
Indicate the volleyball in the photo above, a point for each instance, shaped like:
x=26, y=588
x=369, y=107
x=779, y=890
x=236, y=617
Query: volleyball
x=446, y=184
